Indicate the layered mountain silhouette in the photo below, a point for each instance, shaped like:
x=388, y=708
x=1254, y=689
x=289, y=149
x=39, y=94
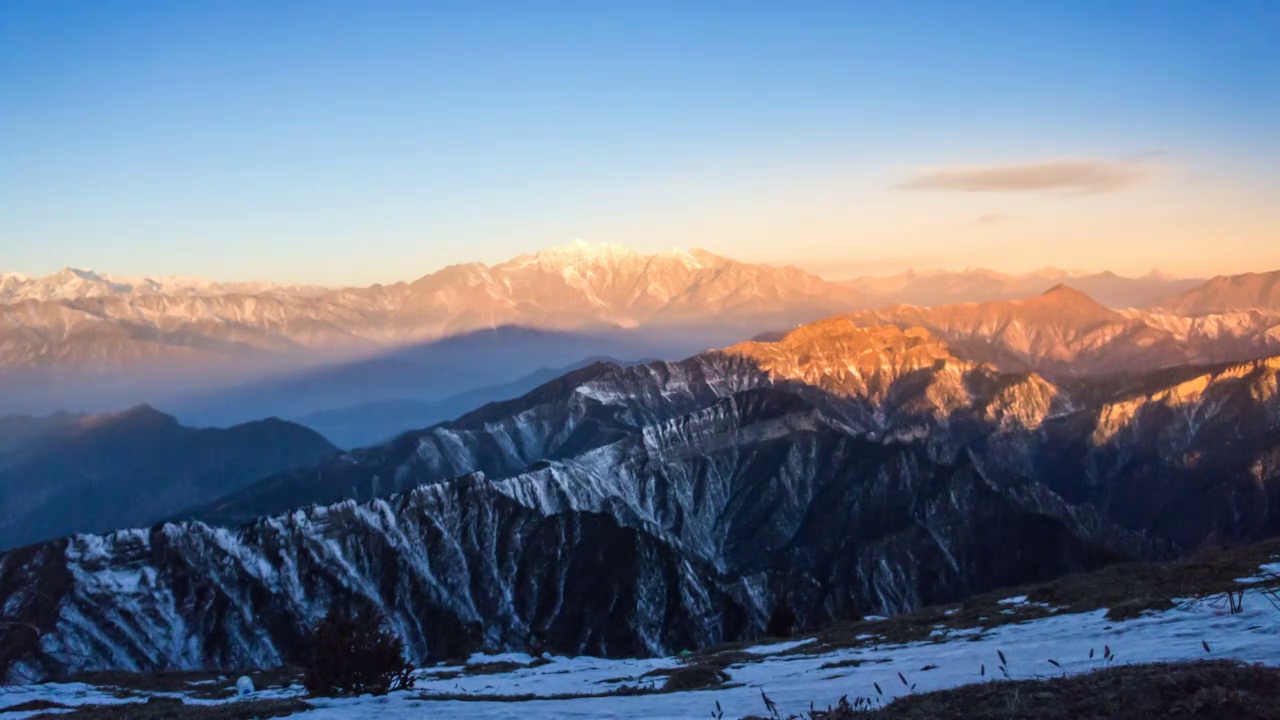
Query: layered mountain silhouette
x=80, y=341
x=943, y=287
x=841, y=468
x=92, y=473
x=1225, y=294
x=78, y=318
x=1065, y=333
x=369, y=423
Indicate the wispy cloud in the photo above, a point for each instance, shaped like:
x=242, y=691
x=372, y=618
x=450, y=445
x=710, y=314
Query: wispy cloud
x=1080, y=176
x=991, y=219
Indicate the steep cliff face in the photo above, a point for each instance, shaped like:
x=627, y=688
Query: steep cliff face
x=659, y=507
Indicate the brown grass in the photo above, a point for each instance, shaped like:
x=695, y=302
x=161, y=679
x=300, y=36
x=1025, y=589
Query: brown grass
x=696, y=677
x=33, y=705
x=1167, y=691
x=496, y=668
x=170, y=709
x=201, y=684
x=625, y=690
x=851, y=663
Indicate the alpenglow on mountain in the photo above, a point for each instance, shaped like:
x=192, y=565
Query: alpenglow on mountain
x=68, y=318
x=81, y=341
x=77, y=340
x=617, y=510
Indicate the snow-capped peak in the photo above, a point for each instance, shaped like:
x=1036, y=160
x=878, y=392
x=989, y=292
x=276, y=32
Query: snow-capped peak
x=580, y=250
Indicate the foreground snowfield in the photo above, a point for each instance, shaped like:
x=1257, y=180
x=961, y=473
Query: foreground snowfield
x=793, y=677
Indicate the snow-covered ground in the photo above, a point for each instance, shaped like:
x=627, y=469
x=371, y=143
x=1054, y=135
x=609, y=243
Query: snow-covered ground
x=792, y=679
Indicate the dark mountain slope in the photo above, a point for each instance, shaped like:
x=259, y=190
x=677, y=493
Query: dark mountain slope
x=138, y=467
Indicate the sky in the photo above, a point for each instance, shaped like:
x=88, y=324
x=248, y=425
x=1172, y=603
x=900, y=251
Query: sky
x=345, y=142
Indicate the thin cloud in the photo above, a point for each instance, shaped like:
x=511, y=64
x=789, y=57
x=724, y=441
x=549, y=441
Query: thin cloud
x=991, y=219
x=1085, y=177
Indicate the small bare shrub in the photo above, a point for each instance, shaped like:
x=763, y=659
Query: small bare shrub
x=354, y=655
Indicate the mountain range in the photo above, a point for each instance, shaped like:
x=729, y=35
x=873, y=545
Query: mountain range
x=860, y=456
x=68, y=318
x=225, y=353
x=616, y=510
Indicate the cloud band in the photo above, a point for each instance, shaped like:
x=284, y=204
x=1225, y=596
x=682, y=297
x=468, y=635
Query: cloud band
x=1072, y=176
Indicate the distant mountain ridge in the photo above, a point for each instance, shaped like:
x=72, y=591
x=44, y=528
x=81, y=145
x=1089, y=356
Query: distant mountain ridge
x=82, y=341
x=77, y=317
x=76, y=283
x=946, y=287
x=1065, y=333
x=1222, y=294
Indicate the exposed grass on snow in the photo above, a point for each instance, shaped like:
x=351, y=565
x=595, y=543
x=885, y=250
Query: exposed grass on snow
x=499, y=667
x=32, y=706
x=1164, y=691
x=208, y=685
x=173, y=709
x=679, y=679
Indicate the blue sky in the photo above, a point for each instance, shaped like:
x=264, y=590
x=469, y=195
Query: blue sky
x=354, y=142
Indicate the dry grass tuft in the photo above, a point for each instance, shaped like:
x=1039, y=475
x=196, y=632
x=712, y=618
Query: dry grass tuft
x=695, y=677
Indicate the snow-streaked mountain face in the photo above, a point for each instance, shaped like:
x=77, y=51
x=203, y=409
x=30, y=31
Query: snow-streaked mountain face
x=654, y=508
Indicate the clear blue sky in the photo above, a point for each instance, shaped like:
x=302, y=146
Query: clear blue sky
x=334, y=141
